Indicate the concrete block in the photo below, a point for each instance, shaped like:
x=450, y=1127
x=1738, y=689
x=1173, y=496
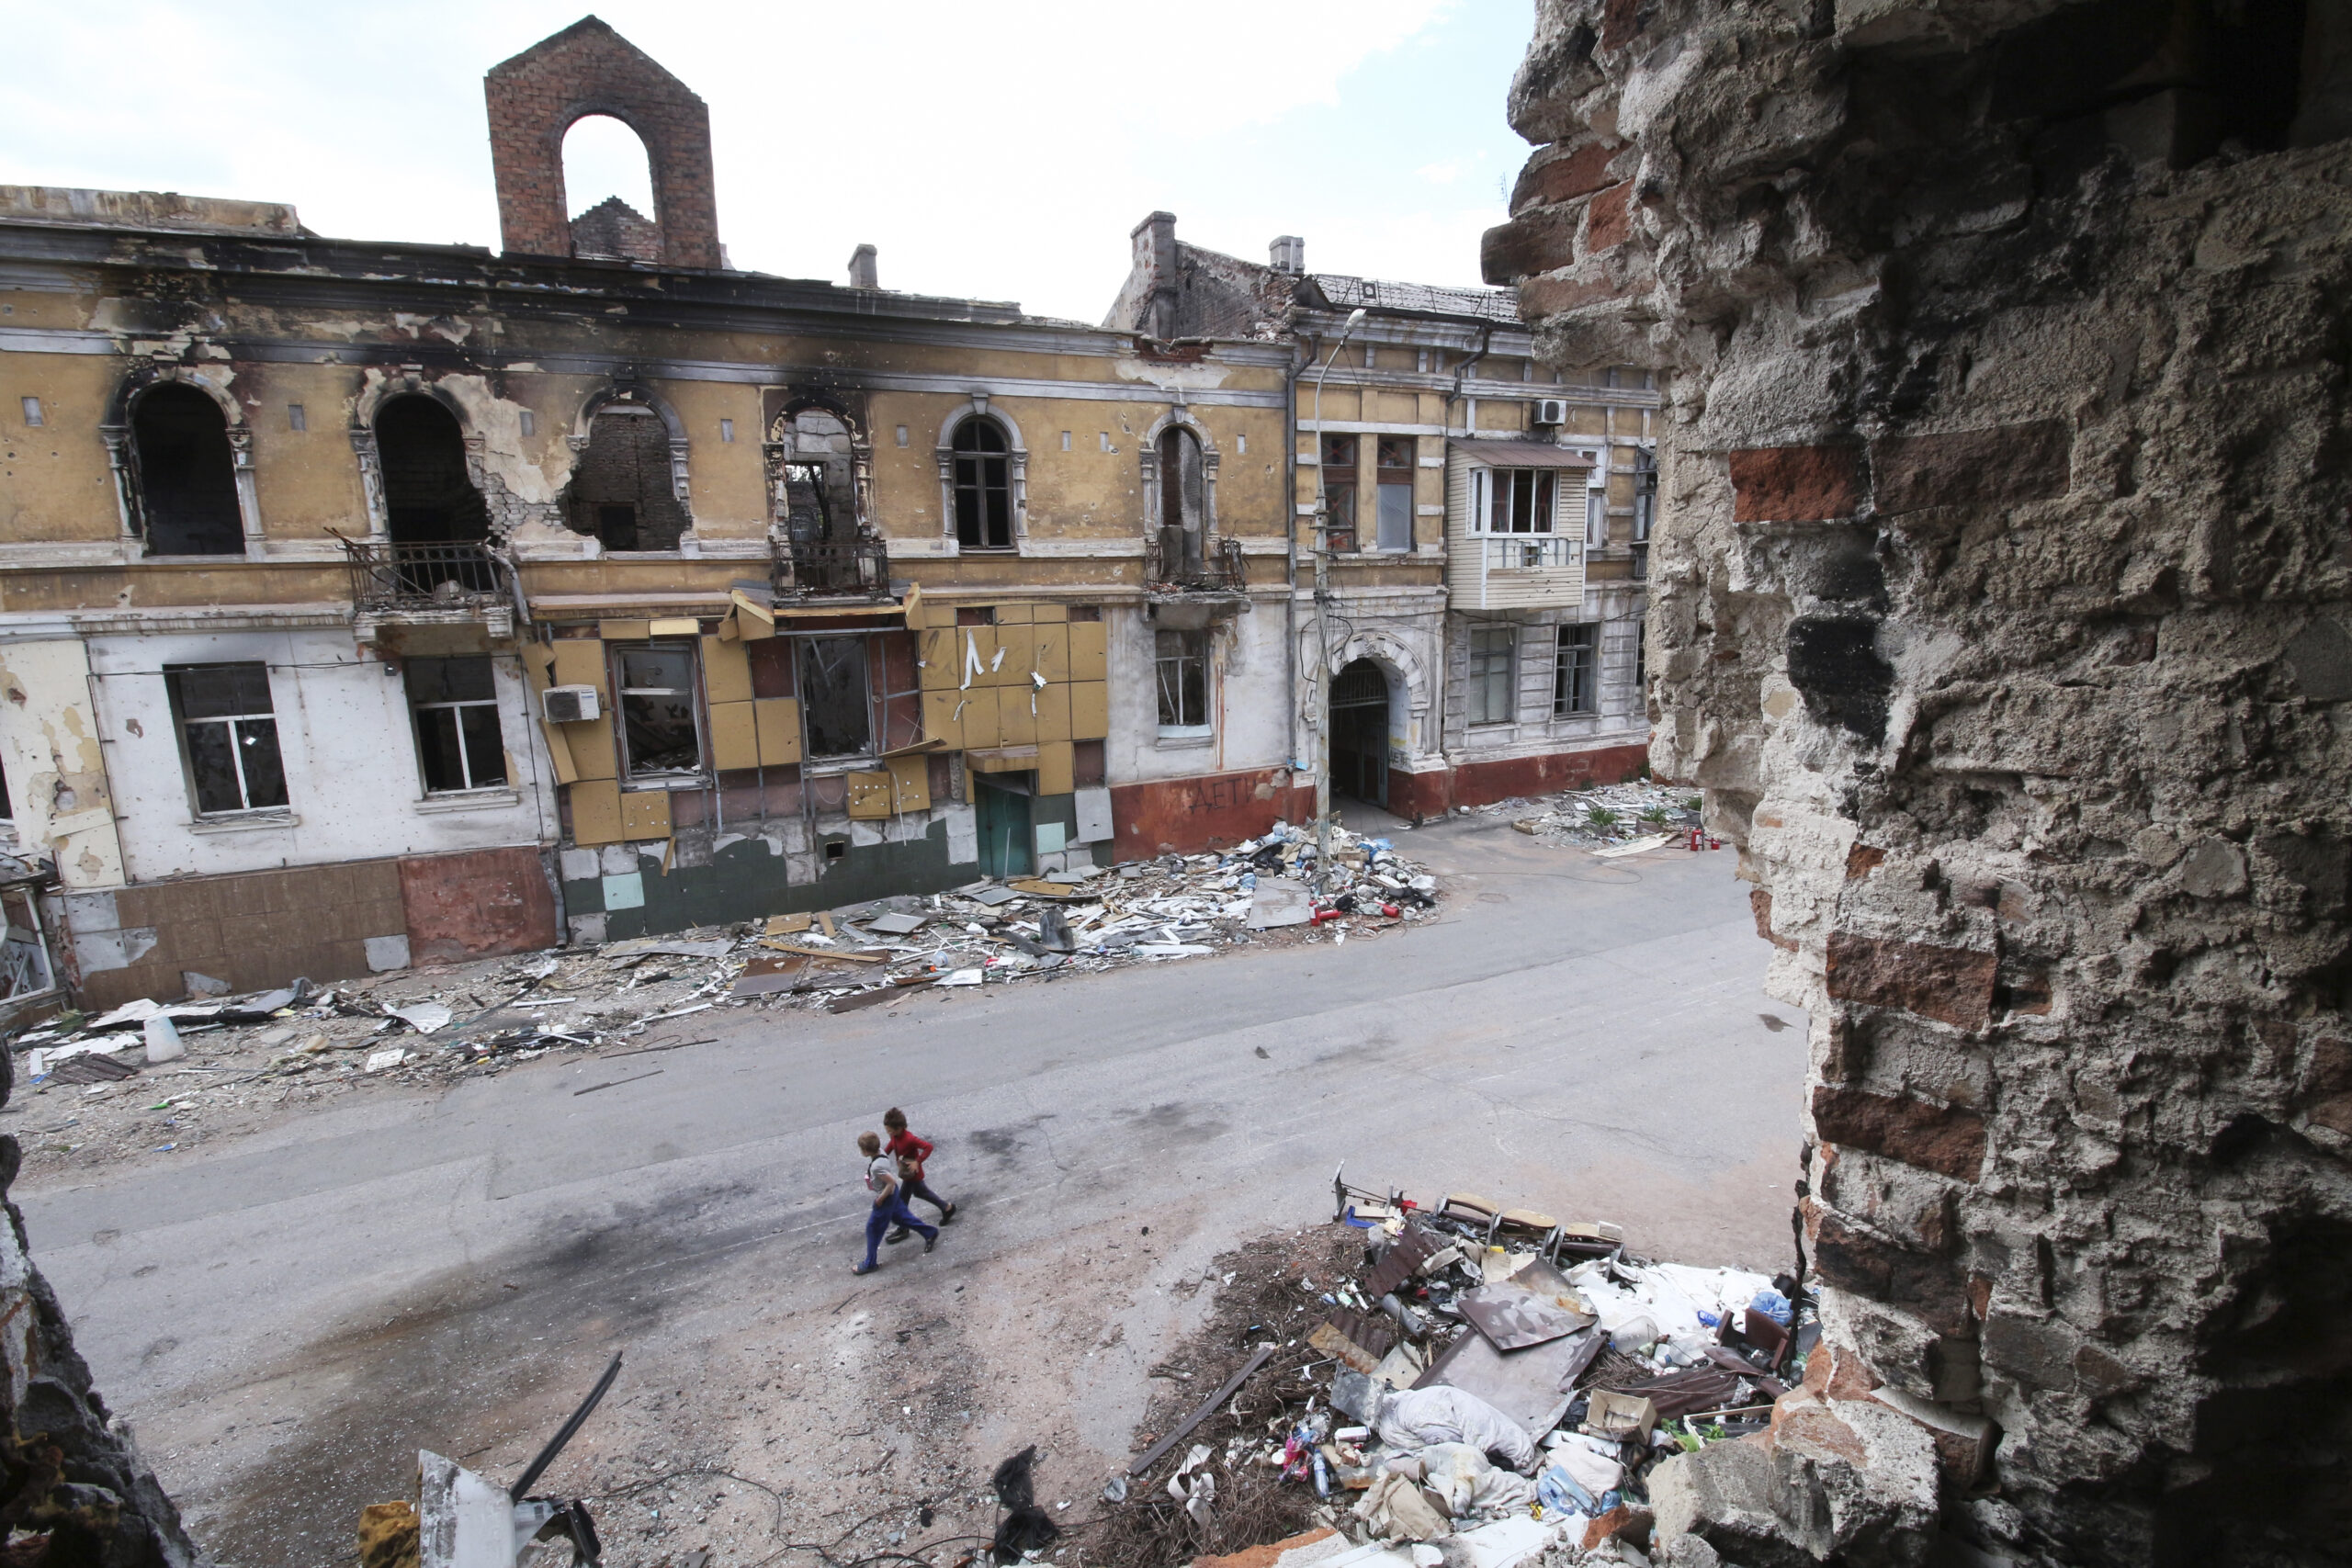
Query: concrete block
x=386, y=952
x=578, y=865
x=963, y=835
x=587, y=930
x=617, y=860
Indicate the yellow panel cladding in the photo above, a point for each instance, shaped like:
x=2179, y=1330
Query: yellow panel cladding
x=1056, y=768
x=939, y=720
x=980, y=718
x=734, y=736
x=1049, y=651
x=56, y=768
x=1017, y=614
x=624, y=631
x=869, y=794
x=591, y=745
x=726, y=670
x=941, y=648
x=1089, y=650
x=1048, y=613
x=1090, y=710
x=645, y=814
x=1016, y=715
x=579, y=662
x=778, y=720
x=1052, y=712
x=911, y=782
x=596, y=813
x=539, y=669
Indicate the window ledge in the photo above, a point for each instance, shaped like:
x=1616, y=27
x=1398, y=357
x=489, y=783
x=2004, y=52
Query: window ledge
x=643, y=783
x=244, y=822
x=467, y=800
x=1180, y=740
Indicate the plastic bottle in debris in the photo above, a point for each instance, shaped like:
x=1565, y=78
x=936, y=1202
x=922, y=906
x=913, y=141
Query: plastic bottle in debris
x=163, y=1042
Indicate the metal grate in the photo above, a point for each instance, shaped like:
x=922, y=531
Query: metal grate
x=443, y=574
x=1219, y=571
x=825, y=568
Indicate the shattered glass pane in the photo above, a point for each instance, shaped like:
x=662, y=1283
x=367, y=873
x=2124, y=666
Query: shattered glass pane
x=658, y=709
x=212, y=768
x=1183, y=660
x=834, y=700
x=257, y=752
x=485, y=749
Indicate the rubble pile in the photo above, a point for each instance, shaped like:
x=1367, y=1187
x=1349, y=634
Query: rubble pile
x=1608, y=815
x=1484, y=1374
x=216, y=1054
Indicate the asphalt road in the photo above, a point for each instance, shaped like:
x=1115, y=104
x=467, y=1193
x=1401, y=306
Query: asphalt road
x=286, y=1317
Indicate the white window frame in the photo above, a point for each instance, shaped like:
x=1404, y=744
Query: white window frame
x=1477, y=679
x=465, y=762
x=631, y=774
x=1482, y=481
x=236, y=751
x=1206, y=728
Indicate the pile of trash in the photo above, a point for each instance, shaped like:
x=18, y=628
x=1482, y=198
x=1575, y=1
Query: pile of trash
x=1495, y=1375
x=1607, y=816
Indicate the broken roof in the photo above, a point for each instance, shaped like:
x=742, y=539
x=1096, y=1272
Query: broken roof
x=1345, y=293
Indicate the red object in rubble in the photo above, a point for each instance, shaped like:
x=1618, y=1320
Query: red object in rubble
x=1694, y=838
x=1319, y=915
x=1391, y=910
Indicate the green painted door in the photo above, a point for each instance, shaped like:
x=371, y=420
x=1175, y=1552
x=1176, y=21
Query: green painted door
x=1003, y=819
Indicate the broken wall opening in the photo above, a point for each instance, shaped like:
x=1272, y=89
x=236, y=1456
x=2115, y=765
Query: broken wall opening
x=624, y=489
x=1184, y=499
x=188, y=473
x=603, y=154
x=429, y=495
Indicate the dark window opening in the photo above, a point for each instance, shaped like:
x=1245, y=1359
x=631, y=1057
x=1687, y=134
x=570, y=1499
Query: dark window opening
x=836, y=848
x=1184, y=498
x=622, y=490
x=1574, y=678
x=228, y=732
x=835, y=702
x=1086, y=612
x=658, y=730
x=983, y=487
x=1338, y=470
x=454, y=704
x=1393, y=467
x=428, y=495
x=1182, y=660
x=188, y=477
x=975, y=615
x=7, y=803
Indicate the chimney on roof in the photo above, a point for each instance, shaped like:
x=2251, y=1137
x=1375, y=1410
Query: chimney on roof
x=1155, y=241
x=1288, y=253
x=862, y=271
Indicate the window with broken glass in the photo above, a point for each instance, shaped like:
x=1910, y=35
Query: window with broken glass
x=660, y=738
x=1489, y=680
x=1393, y=467
x=983, y=487
x=1183, y=660
x=1338, y=470
x=836, y=703
x=228, y=737
x=1575, y=677
x=454, y=703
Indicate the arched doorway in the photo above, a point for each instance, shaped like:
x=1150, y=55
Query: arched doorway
x=1360, y=732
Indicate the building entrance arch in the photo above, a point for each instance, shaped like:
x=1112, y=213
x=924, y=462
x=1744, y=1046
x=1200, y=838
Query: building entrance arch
x=1358, y=722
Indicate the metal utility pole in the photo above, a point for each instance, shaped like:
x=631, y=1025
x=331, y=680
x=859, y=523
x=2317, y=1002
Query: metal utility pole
x=1323, y=625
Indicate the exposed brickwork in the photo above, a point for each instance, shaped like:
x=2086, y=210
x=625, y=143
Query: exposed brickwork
x=1971, y=468
x=1525, y=245
x=1951, y=985
x=1609, y=218
x=589, y=69
x=1948, y=1139
x=1579, y=172
x=627, y=465
x=1793, y=484
x=613, y=227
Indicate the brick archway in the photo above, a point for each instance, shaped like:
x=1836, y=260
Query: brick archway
x=588, y=69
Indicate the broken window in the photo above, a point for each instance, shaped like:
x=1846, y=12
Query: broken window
x=428, y=495
x=1183, y=487
x=187, y=478
x=623, y=487
x=659, y=736
x=1574, y=677
x=1512, y=501
x=1182, y=658
x=1596, y=515
x=229, y=733
x=1393, y=466
x=1339, y=492
x=983, y=487
x=1487, y=683
x=835, y=703
x=1645, y=495
x=455, y=703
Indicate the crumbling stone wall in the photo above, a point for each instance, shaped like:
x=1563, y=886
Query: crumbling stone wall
x=73, y=1491
x=2000, y=604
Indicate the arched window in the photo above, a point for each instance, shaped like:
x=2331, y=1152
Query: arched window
x=983, y=486
x=428, y=495
x=187, y=478
x=622, y=490
x=1184, y=498
x=601, y=154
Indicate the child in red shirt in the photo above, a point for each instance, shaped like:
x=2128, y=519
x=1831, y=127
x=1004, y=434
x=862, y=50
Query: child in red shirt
x=911, y=1152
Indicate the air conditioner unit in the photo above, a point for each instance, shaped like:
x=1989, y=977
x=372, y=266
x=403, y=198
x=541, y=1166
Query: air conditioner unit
x=569, y=705
x=1551, y=411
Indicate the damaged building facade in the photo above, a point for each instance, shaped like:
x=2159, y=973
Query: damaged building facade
x=2002, y=609
x=363, y=604
x=1487, y=524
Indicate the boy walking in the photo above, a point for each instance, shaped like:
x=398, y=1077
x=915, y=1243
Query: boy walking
x=889, y=1207
x=911, y=1152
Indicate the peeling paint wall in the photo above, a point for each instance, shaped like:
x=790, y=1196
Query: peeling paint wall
x=56, y=762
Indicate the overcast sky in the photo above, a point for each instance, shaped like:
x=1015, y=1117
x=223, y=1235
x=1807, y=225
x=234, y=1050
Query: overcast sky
x=1001, y=152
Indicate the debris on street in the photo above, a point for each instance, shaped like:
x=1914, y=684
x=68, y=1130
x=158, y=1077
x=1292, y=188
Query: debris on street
x=419, y=1027
x=1462, y=1371
x=1605, y=816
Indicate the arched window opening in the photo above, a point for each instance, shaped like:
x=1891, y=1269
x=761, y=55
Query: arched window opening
x=983, y=487
x=1360, y=732
x=429, y=498
x=188, y=477
x=623, y=492
x=1184, y=499
x=608, y=183
x=819, y=501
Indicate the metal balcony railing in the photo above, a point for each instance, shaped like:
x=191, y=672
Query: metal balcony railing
x=1520, y=552
x=1219, y=571
x=828, y=568
x=443, y=575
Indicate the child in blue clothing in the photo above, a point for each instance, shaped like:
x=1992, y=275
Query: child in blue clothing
x=890, y=1207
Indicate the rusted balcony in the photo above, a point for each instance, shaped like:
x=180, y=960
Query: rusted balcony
x=445, y=581
x=832, y=568
x=1219, y=569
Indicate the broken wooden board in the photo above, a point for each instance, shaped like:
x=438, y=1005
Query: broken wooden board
x=764, y=975
x=786, y=925
x=807, y=952
x=1357, y=1340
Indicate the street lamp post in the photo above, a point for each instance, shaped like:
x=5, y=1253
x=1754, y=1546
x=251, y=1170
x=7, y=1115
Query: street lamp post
x=1322, y=625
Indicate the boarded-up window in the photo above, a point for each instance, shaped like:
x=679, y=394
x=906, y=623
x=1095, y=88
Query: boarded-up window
x=622, y=490
x=228, y=736
x=835, y=701
x=1183, y=490
x=187, y=478
x=455, y=705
